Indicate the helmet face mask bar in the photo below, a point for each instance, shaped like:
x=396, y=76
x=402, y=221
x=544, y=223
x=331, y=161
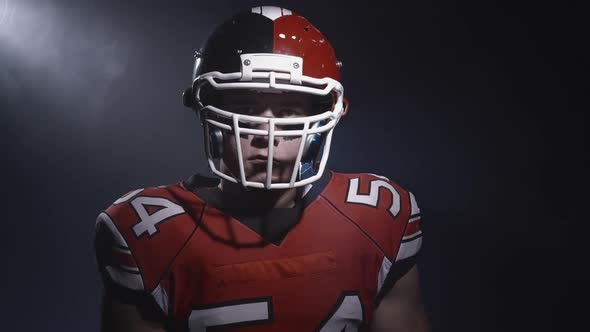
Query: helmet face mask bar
x=267, y=72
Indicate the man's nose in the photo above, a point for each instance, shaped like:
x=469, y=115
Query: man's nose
x=261, y=141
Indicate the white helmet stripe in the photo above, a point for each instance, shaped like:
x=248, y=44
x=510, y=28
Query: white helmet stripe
x=271, y=12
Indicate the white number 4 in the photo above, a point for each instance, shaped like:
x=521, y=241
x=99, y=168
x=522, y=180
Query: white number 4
x=148, y=222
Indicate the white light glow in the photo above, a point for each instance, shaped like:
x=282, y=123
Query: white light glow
x=59, y=51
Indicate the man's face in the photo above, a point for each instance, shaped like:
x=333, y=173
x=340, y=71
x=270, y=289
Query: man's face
x=255, y=147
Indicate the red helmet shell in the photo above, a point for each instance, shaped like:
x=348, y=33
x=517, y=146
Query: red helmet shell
x=294, y=35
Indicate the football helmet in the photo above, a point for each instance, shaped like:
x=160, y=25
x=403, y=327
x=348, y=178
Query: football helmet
x=268, y=49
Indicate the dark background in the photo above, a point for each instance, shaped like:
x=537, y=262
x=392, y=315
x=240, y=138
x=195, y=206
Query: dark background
x=473, y=107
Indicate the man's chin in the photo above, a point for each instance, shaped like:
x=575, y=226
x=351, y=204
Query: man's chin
x=261, y=177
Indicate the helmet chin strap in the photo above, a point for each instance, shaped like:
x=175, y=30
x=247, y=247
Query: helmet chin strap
x=216, y=143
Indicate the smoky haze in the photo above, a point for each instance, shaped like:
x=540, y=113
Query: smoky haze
x=471, y=106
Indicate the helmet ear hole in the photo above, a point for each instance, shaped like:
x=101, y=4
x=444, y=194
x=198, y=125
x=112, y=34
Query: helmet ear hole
x=216, y=143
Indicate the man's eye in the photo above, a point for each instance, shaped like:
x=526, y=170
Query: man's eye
x=243, y=110
x=290, y=112
x=246, y=125
x=290, y=127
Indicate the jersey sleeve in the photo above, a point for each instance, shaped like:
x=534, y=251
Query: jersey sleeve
x=388, y=214
x=136, y=240
x=411, y=241
x=115, y=261
x=407, y=244
x=119, y=271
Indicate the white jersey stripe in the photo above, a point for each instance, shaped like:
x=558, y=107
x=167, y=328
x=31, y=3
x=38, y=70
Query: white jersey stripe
x=409, y=249
x=199, y=320
x=132, y=279
x=159, y=294
x=418, y=217
x=412, y=235
x=385, y=267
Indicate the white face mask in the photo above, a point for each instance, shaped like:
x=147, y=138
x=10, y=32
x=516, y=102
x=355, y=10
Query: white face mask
x=314, y=133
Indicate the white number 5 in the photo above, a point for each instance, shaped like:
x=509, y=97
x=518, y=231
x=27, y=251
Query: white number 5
x=346, y=315
x=372, y=198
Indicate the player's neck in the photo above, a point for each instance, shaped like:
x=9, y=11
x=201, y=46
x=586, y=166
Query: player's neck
x=260, y=200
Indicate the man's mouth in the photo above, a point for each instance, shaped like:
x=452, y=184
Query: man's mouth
x=262, y=162
x=261, y=159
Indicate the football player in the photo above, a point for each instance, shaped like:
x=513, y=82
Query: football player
x=274, y=241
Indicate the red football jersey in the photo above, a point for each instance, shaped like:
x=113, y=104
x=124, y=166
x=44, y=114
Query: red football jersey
x=356, y=234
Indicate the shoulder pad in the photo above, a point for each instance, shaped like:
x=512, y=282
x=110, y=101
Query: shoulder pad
x=148, y=228
x=380, y=207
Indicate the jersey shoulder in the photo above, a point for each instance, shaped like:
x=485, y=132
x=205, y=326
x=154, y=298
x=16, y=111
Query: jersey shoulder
x=383, y=209
x=138, y=236
x=369, y=195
